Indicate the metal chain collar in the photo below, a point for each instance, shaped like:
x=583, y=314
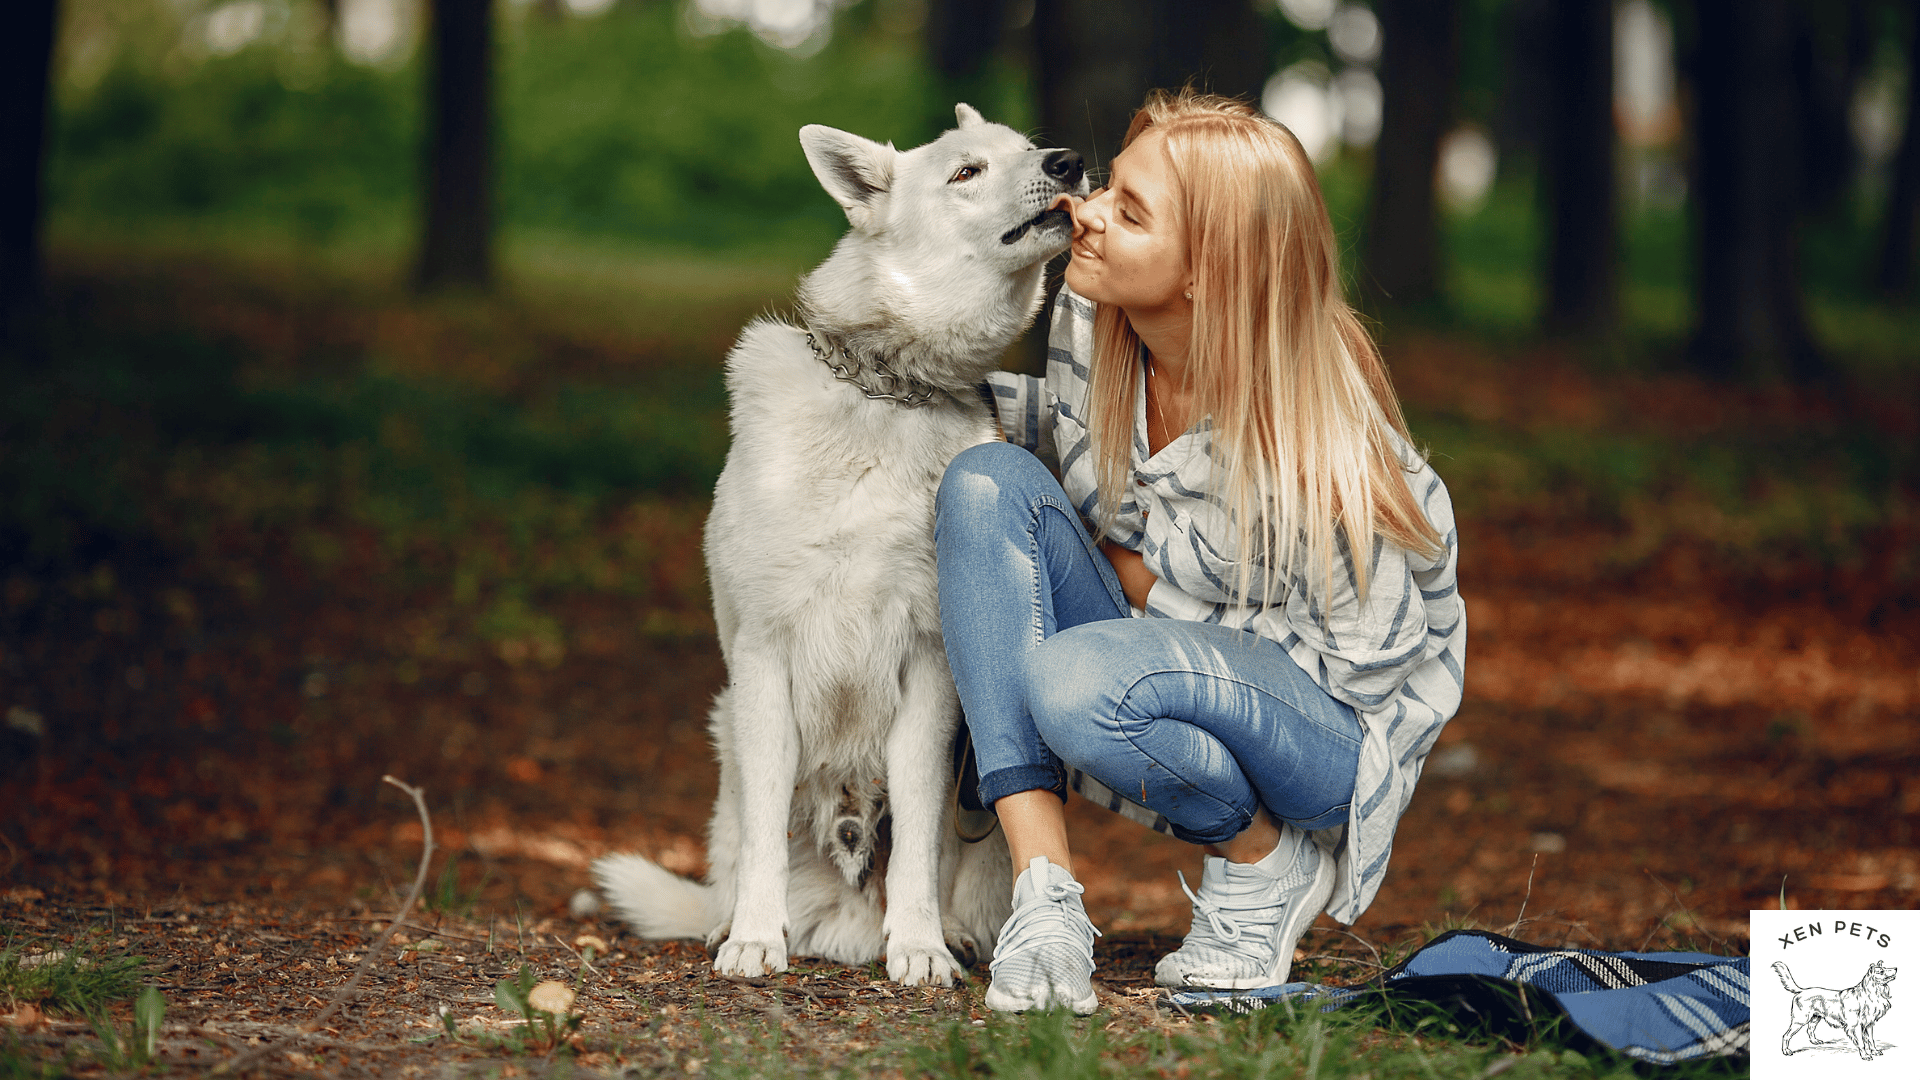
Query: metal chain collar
x=915, y=395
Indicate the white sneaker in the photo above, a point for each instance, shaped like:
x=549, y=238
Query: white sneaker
x=1245, y=923
x=1044, y=959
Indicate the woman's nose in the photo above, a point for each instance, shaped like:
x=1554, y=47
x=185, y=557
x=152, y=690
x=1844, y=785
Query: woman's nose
x=1091, y=212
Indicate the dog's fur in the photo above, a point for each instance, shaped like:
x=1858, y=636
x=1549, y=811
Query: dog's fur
x=1854, y=1010
x=837, y=720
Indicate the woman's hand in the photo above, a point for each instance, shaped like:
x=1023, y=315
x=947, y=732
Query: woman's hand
x=1135, y=579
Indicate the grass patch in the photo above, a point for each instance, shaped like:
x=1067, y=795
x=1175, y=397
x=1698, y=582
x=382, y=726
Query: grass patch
x=1356, y=1042
x=1753, y=495
x=70, y=980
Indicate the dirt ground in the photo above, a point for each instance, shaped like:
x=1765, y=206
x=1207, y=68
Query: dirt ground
x=190, y=770
x=1619, y=789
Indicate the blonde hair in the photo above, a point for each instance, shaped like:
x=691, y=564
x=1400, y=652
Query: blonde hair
x=1304, y=418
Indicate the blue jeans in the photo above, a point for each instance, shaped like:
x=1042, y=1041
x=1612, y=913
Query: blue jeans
x=1195, y=721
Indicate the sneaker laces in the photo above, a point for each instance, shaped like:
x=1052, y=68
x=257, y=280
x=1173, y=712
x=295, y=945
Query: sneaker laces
x=1044, y=908
x=1224, y=925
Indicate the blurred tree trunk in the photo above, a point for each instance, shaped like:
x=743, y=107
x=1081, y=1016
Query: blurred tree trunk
x=26, y=64
x=1747, y=193
x=1094, y=59
x=1420, y=49
x=1895, y=275
x=1098, y=58
x=1218, y=45
x=1832, y=46
x=962, y=34
x=961, y=37
x=457, y=248
x=1578, y=172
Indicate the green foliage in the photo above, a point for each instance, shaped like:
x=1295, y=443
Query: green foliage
x=1362, y=1040
x=67, y=979
x=622, y=126
x=134, y=1051
x=447, y=897
x=1751, y=494
x=1055, y=1045
x=229, y=138
x=546, y=1029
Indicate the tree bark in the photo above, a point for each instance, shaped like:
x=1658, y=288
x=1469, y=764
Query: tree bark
x=26, y=62
x=1578, y=172
x=1751, y=317
x=1418, y=63
x=1895, y=277
x=457, y=248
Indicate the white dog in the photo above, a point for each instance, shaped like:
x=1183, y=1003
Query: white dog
x=833, y=831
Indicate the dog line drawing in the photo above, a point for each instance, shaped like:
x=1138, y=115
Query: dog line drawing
x=1854, y=1010
x=833, y=834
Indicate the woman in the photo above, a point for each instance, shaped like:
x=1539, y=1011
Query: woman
x=1210, y=396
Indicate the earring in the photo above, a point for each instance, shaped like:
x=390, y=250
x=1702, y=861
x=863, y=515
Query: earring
x=1189, y=294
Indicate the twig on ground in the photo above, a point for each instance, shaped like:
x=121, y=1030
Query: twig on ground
x=1182, y=1009
x=1651, y=930
x=1514, y=927
x=346, y=991
x=1377, y=960
x=588, y=964
x=408, y=926
x=1691, y=917
x=1340, y=960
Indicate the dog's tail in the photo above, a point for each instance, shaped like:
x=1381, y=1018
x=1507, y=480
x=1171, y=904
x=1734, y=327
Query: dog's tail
x=1786, y=977
x=657, y=902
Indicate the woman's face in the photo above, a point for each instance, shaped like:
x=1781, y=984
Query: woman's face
x=1129, y=245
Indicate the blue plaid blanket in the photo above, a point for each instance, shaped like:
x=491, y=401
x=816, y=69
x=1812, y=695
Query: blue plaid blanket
x=1656, y=1007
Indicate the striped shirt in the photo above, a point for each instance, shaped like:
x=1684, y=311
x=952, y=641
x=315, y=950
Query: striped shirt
x=1395, y=656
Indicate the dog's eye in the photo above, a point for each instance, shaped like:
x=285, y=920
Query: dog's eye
x=965, y=173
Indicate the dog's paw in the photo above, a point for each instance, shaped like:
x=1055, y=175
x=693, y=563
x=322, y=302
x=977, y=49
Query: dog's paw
x=718, y=938
x=921, y=967
x=963, y=946
x=751, y=959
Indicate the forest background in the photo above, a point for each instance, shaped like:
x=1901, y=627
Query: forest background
x=363, y=398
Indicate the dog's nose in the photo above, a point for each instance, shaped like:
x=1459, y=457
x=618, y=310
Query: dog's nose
x=1066, y=166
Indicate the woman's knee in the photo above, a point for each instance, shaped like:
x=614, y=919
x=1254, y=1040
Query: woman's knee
x=1078, y=684
x=984, y=478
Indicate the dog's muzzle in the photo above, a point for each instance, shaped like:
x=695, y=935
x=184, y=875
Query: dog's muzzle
x=1067, y=168
x=1044, y=219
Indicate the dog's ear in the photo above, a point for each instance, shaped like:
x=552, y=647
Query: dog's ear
x=855, y=171
x=968, y=115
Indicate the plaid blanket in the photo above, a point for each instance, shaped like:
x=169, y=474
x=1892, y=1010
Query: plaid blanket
x=1656, y=1007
